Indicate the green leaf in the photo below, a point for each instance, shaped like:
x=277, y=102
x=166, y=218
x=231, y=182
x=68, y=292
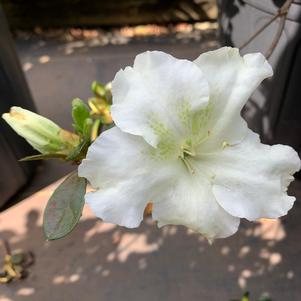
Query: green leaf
x=98, y=89
x=43, y=157
x=65, y=207
x=87, y=128
x=80, y=113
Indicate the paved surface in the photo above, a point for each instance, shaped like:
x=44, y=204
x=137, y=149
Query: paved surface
x=101, y=261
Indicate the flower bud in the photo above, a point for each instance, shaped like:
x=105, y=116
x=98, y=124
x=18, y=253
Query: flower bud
x=41, y=133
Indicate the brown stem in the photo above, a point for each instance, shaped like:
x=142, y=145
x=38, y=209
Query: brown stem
x=282, y=13
x=261, y=29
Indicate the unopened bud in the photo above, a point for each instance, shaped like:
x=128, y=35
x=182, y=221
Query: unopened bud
x=41, y=133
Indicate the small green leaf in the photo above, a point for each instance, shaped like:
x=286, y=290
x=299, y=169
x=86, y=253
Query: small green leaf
x=43, y=157
x=80, y=113
x=98, y=89
x=87, y=128
x=64, y=208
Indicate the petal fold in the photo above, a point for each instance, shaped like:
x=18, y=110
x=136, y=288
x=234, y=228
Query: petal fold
x=232, y=79
x=251, y=178
x=155, y=97
x=121, y=167
x=122, y=204
x=189, y=201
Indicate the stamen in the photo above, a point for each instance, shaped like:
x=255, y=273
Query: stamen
x=225, y=144
x=188, y=165
x=189, y=152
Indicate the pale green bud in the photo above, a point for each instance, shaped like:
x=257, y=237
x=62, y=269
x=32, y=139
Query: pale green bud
x=41, y=133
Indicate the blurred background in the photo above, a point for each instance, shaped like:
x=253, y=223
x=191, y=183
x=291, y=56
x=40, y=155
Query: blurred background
x=50, y=53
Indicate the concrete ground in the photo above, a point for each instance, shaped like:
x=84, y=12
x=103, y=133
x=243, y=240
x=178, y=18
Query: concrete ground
x=100, y=261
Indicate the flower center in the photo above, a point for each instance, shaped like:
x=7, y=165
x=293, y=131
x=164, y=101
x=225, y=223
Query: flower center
x=187, y=153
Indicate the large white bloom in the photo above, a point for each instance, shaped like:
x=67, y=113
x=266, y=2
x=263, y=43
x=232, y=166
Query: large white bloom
x=180, y=143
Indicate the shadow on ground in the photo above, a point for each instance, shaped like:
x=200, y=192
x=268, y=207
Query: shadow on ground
x=101, y=261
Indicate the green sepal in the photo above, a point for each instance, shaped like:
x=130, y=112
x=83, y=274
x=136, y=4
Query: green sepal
x=79, y=152
x=43, y=157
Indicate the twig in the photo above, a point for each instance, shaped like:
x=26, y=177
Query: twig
x=261, y=29
x=283, y=10
x=276, y=38
x=282, y=13
x=6, y=246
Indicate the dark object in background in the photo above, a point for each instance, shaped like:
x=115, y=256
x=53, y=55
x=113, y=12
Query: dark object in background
x=13, y=92
x=274, y=110
x=24, y=14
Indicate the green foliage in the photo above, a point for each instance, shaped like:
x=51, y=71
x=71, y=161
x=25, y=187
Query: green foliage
x=100, y=104
x=87, y=128
x=80, y=113
x=102, y=91
x=83, y=125
x=64, y=208
x=88, y=122
x=98, y=89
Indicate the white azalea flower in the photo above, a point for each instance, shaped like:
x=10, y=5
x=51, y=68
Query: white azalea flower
x=180, y=143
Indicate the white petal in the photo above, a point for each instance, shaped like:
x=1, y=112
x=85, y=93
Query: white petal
x=122, y=204
x=121, y=167
x=251, y=178
x=113, y=156
x=155, y=98
x=232, y=79
x=190, y=202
